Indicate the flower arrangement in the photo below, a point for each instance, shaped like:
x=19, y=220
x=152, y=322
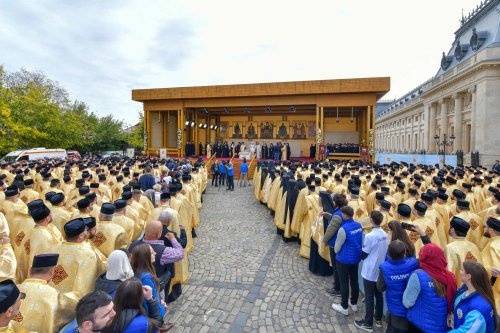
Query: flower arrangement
x=179, y=138
x=318, y=136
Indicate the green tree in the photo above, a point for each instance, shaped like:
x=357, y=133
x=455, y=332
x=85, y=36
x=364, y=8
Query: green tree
x=137, y=136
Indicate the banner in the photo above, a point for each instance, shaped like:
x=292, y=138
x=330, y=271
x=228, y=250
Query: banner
x=387, y=158
x=130, y=152
x=163, y=153
x=363, y=154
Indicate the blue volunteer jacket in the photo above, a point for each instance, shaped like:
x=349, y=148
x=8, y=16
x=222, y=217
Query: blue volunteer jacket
x=222, y=168
x=244, y=168
x=396, y=274
x=429, y=313
x=466, y=305
x=350, y=253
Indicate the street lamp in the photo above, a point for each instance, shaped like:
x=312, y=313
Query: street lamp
x=446, y=142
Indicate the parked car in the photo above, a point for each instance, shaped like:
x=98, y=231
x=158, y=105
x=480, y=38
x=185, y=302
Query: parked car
x=34, y=154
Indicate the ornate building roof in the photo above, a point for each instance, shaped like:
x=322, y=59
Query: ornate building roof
x=478, y=30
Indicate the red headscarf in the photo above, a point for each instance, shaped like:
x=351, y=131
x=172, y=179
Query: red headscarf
x=432, y=261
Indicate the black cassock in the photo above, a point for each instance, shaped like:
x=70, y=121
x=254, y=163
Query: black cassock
x=318, y=265
x=288, y=152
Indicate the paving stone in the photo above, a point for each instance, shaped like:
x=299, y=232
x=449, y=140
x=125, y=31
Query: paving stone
x=244, y=278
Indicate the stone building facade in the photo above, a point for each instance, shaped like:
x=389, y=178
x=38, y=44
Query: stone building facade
x=461, y=100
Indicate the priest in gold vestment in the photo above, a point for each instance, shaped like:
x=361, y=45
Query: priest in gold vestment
x=460, y=249
x=41, y=239
x=10, y=302
x=45, y=309
x=490, y=255
x=77, y=269
x=109, y=236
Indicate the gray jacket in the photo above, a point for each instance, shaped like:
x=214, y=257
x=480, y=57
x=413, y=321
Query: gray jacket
x=332, y=228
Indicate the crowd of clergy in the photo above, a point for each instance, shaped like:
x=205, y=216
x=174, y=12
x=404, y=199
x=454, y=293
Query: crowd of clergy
x=427, y=236
x=123, y=228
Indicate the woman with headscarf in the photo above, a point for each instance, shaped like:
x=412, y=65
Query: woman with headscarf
x=118, y=270
x=430, y=292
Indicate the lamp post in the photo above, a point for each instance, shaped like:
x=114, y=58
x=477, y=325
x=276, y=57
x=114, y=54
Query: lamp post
x=446, y=142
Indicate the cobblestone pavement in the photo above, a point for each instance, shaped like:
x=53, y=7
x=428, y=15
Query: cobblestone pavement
x=244, y=278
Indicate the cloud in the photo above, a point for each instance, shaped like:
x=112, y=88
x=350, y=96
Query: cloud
x=101, y=50
x=171, y=46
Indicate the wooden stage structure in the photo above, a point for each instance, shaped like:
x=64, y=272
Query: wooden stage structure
x=301, y=113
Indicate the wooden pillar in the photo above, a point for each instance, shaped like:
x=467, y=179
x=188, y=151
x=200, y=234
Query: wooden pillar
x=195, y=131
x=322, y=123
x=368, y=120
x=145, y=130
x=148, y=129
x=373, y=124
x=180, y=125
x=317, y=126
x=164, y=132
x=184, y=133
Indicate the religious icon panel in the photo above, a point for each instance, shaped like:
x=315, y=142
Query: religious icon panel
x=266, y=129
x=282, y=130
x=299, y=129
x=224, y=125
x=251, y=130
x=237, y=130
x=311, y=130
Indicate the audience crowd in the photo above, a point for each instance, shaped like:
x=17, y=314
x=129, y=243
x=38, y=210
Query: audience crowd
x=425, y=239
x=96, y=245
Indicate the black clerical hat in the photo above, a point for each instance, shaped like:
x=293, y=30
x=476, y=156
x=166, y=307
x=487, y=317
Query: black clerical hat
x=108, y=208
x=56, y=198
x=90, y=222
x=463, y=204
x=459, y=224
x=458, y=194
x=74, y=227
x=83, y=203
x=84, y=190
x=91, y=196
x=420, y=207
x=8, y=295
x=127, y=195
x=385, y=204
x=40, y=212
x=404, y=210
x=120, y=204
x=45, y=260
x=34, y=204
x=493, y=223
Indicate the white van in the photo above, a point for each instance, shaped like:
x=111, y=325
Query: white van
x=34, y=154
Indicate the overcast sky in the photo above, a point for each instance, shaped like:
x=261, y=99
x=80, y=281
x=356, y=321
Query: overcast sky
x=101, y=50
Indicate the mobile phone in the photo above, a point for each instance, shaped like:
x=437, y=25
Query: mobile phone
x=407, y=226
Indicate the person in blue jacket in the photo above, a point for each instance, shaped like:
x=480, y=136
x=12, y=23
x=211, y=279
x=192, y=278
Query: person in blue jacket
x=393, y=278
x=142, y=260
x=230, y=176
x=474, y=309
x=430, y=291
x=243, y=173
x=222, y=174
x=348, y=247
x=131, y=317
